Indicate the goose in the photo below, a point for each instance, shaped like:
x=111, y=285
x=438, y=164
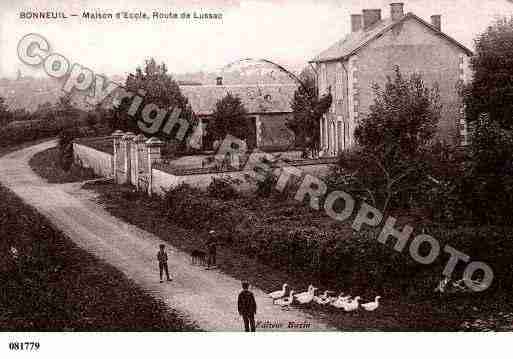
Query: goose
x=323, y=299
x=478, y=286
x=474, y=285
x=285, y=302
x=279, y=293
x=352, y=305
x=442, y=285
x=340, y=301
x=304, y=294
x=371, y=306
x=307, y=298
x=343, y=297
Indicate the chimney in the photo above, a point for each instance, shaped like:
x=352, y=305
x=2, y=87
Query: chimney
x=370, y=17
x=436, y=21
x=219, y=81
x=356, y=22
x=396, y=10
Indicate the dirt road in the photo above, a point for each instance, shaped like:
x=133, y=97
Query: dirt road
x=206, y=297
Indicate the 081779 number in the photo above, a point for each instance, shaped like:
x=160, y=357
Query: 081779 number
x=24, y=346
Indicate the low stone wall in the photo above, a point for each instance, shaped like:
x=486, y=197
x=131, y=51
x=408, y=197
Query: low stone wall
x=163, y=180
x=199, y=161
x=99, y=162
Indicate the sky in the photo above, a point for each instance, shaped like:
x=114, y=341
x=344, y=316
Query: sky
x=288, y=32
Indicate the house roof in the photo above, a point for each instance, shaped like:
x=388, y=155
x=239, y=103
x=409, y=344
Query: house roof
x=355, y=41
x=256, y=98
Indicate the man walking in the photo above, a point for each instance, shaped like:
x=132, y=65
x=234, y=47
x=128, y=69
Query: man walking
x=162, y=258
x=247, y=307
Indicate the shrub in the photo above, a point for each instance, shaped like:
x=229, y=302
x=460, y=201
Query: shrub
x=222, y=188
x=267, y=185
x=190, y=208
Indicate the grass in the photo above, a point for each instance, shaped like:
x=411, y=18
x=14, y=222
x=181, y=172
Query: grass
x=52, y=285
x=406, y=312
x=46, y=165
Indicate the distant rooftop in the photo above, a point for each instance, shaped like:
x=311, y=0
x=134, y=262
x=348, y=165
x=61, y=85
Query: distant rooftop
x=270, y=98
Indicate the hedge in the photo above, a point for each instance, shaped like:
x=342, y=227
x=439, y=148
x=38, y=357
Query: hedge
x=337, y=257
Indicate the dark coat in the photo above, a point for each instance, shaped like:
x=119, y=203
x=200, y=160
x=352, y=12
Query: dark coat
x=212, y=246
x=162, y=257
x=246, y=303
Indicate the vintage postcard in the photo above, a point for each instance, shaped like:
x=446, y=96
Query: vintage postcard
x=254, y=166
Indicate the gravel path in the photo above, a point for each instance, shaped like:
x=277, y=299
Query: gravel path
x=206, y=297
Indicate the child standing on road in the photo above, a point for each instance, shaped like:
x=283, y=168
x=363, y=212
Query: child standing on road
x=212, y=249
x=162, y=258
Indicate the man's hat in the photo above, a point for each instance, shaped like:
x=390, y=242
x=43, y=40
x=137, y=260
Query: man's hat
x=212, y=231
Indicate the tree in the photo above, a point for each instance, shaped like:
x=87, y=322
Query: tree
x=4, y=112
x=489, y=175
x=229, y=118
x=159, y=88
x=491, y=90
x=64, y=107
x=393, y=140
x=308, y=109
x=489, y=108
x=46, y=111
x=403, y=118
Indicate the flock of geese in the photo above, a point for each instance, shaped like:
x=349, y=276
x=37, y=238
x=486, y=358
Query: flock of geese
x=345, y=302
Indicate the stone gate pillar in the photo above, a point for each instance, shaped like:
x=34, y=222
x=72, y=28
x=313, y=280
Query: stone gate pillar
x=125, y=149
x=139, y=154
x=116, y=143
x=133, y=161
x=154, y=146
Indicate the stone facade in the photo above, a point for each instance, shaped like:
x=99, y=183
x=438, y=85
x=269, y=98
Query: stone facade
x=366, y=57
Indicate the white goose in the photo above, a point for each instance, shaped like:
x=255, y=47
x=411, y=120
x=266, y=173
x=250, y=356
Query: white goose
x=285, y=302
x=323, y=299
x=343, y=297
x=307, y=298
x=340, y=301
x=371, y=306
x=279, y=293
x=352, y=305
x=306, y=294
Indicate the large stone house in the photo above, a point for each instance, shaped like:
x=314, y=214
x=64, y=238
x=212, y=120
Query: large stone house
x=369, y=54
x=268, y=107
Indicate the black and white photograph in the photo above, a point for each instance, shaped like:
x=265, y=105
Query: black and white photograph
x=255, y=166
